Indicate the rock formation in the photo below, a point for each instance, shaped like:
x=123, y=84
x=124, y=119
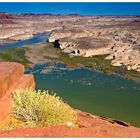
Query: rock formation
x=5, y=18
x=12, y=77
x=118, y=37
x=87, y=126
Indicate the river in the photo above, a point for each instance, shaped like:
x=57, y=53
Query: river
x=88, y=90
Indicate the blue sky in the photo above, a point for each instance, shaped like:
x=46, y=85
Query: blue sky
x=94, y=8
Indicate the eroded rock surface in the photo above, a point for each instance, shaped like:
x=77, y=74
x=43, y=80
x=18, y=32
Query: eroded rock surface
x=87, y=126
x=12, y=77
x=119, y=37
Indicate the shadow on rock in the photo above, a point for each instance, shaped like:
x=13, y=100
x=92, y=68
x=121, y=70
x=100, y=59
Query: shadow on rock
x=56, y=44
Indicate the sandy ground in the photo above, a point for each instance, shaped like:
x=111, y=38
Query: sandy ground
x=40, y=53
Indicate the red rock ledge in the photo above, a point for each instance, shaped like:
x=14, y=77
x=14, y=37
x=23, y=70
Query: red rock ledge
x=89, y=126
x=12, y=77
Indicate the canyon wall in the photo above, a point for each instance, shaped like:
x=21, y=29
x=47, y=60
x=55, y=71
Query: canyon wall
x=87, y=36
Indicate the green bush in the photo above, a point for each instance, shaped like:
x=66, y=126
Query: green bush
x=36, y=108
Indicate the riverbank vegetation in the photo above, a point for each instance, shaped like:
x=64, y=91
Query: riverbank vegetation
x=15, y=55
x=45, y=52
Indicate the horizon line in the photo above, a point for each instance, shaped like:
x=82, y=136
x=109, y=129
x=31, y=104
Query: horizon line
x=72, y=14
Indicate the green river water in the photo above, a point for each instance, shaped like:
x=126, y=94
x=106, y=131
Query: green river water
x=85, y=89
x=92, y=91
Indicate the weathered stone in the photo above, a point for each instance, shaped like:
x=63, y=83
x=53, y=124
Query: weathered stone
x=12, y=77
x=10, y=73
x=88, y=126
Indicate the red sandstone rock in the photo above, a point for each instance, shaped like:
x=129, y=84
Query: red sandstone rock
x=64, y=131
x=10, y=73
x=12, y=77
x=88, y=126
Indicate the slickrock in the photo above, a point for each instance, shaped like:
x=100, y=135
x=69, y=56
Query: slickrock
x=12, y=77
x=88, y=126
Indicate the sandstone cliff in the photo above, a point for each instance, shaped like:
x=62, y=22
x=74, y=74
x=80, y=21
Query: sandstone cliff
x=12, y=77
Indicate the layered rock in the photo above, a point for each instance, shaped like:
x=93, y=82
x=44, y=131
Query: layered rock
x=5, y=18
x=12, y=77
x=119, y=37
x=86, y=46
x=20, y=27
x=82, y=35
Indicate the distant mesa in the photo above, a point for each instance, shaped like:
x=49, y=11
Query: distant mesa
x=74, y=15
x=4, y=15
x=7, y=15
x=6, y=18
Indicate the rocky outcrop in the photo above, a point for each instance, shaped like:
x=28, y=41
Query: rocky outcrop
x=87, y=126
x=12, y=77
x=126, y=50
x=81, y=35
x=119, y=38
x=5, y=18
x=86, y=46
x=23, y=36
x=16, y=34
x=3, y=15
x=20, y=27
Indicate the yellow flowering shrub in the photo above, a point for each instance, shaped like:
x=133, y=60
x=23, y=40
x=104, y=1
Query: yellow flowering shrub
x=38, y=108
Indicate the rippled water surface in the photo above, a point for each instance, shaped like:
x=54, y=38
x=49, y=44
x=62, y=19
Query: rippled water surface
x=91, y=91
x=85, y=89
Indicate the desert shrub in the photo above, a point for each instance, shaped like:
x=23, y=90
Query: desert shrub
x=36, y=108
x=10, y=123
